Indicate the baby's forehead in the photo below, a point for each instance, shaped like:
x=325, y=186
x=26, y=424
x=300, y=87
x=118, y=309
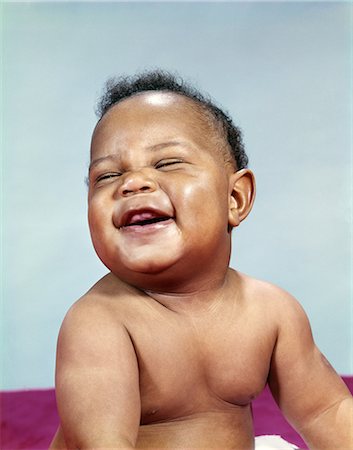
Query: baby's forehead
x=157, y=108
x=165, y=101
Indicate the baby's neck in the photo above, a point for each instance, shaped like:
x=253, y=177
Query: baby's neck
x=201, y=297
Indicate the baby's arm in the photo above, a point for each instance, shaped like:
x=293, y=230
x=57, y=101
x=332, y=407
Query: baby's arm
x=97, y=380
x=308, y=390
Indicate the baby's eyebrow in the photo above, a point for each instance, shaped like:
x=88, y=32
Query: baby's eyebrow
x=99, y=160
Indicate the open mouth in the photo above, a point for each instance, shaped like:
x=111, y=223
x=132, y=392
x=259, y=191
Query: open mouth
x=148, y=221
x=142, y=219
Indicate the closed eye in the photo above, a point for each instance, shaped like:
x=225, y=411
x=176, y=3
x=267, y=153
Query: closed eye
x=166, y=163
x=107, y=176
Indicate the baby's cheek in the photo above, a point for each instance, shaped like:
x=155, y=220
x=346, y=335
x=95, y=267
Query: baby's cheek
x=92, y=217
x=97, y=225
x=97, y=210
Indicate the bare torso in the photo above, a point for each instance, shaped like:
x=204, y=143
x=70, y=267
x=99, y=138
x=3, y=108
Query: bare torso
x=199, y=372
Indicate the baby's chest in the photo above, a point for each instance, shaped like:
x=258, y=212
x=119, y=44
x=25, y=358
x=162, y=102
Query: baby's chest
x=183, y=370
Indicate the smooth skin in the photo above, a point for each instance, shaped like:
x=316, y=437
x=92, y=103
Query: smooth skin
x=170, y=348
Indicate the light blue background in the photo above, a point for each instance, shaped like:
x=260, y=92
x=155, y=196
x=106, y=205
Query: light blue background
x=281, y=69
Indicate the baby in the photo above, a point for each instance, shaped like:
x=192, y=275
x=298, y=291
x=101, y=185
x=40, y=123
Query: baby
x=169, y=349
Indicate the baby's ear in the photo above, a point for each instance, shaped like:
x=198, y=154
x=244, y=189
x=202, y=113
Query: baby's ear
x=241, y=196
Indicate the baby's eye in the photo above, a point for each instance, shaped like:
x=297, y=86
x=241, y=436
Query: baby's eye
x=107, y=176
x=168, y=162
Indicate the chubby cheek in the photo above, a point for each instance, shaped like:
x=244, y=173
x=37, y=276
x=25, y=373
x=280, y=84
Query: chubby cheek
x=93, y=216
x=99, y=221
x=205, y=201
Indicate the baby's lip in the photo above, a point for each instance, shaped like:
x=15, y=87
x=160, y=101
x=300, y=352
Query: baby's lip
x=143, y=216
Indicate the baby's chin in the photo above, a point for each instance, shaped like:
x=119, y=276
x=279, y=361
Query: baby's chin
x=137, y=265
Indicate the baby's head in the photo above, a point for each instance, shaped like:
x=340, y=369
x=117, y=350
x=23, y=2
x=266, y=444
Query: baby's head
x=167, y=183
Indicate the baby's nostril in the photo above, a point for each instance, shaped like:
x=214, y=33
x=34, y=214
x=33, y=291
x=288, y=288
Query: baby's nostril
x=136, y=189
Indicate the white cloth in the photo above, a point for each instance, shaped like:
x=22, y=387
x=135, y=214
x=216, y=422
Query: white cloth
x=272, y=442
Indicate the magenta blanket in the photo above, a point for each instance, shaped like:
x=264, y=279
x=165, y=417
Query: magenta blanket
x=29, y=418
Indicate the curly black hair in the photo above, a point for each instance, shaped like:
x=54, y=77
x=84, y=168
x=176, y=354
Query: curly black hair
x=117, y=89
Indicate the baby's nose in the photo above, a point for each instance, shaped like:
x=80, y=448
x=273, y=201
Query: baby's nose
x=135, y=183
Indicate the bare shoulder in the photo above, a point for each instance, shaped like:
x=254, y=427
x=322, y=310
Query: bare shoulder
x=105, y=301
x=95, y=323
x=267, y=296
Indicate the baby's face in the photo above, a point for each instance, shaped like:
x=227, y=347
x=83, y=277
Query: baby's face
x=158, y=189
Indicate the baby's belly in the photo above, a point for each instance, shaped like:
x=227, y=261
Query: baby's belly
x=221, y=429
